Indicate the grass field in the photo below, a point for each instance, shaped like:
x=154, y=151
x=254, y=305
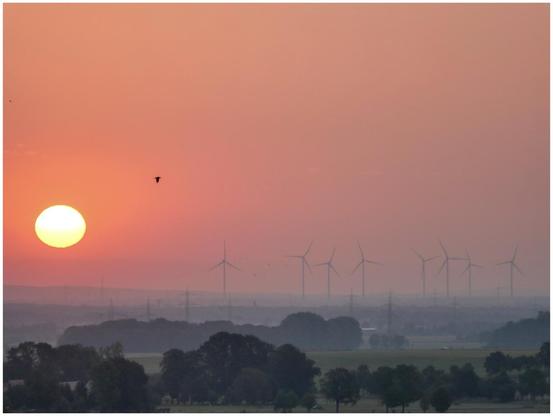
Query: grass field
x=374, y=358
x=374, y=406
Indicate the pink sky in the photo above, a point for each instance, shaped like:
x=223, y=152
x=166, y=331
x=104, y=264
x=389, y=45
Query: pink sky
x=274, y=125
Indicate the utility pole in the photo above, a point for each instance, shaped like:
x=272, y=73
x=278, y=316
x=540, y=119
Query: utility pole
x=110, y=310
x=148, y=315
x=351, y=303
x=390, y=313
x=187, y=305
x=229, y=309
x=455, y=315
x=102, y=291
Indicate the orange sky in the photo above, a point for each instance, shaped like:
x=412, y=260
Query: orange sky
x=272, y=125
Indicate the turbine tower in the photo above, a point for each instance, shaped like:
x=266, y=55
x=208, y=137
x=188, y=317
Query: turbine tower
x=329, y=266
x=304, y=263
x=187, y=305
x=512, y=265
x=445, y=264
x=468, y=269
x=225, y=263
x=424, y=260
x=362, y=265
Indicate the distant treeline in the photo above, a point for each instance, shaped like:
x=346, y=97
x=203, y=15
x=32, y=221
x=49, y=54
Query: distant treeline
x=526, y=333
x=305, y=330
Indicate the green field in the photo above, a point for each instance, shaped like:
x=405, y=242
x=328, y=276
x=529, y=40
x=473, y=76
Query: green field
x=374, y=406
x=374, y=358
x=326, y=360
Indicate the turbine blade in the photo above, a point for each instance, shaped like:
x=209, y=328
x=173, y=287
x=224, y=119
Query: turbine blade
x=307, y=264
x=417, y=254
x=515, y=253
x=503, y=262
x=335, y=271
x=477, y=265
x=373, y=262
x=441, y=268
x=464, y=271
x=431, y=258
x=356, y=267
x=443, y=248
x=360, y=249
x=217, y=265
x=333, y=253
x=518, y=268
x=320, y=264
x=308, y=248
x=233, y=266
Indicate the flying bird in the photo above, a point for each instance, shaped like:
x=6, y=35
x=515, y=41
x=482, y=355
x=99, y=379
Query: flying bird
x=157, y=178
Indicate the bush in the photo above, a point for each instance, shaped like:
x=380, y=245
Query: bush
x=251, y=386
x=285, y=401
x=440, y=400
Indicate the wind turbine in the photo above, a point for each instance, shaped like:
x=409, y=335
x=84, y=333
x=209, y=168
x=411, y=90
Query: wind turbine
x=469, y=267
x=304, y=263
x=445, y=264
x=329, y=266
x=225, y=263
x=424, y=260
x=362, y=265
x=513, y=266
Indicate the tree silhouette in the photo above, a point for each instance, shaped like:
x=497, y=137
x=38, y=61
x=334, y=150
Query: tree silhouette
x=341, y=386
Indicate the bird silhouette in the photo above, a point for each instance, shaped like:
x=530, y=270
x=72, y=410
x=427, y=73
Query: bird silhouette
x=157, y=178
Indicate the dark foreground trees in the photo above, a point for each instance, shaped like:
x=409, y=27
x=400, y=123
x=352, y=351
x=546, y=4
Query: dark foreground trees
x=292, y=370
x=440, y=400
x=236, y=368
x=243, y=370
x=119, y=385
x=251, y=386
x=397, y=386
x=341, y=386
x=285, y=401
x=72, y=378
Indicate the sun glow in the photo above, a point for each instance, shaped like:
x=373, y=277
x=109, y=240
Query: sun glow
x=60, y=226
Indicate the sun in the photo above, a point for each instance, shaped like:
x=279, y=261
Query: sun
x=60, y=226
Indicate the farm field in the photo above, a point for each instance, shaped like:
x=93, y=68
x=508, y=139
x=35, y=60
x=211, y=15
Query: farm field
x=326, y=360
x=372, y=405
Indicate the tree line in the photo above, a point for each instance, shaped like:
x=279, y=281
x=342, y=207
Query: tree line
x=526, y=333
x=244, y=370
x=73, y=378
x=505, y=377
x=305, y=330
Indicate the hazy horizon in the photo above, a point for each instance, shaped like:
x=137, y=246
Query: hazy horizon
x=272, y=126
